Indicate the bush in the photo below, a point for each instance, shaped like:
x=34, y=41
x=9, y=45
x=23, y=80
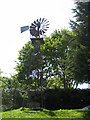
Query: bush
x=11, y=100
x=66, y=98
x=53, y=99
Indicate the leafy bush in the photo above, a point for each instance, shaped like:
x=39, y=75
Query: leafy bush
x=11, y=100
x=53, y=99
x=66, y=98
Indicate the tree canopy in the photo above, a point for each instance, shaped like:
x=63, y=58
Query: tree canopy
x=49, y=62
x=80, y=27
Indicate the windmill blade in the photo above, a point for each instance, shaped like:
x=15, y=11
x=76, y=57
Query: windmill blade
x=40, y=20
x=44, y=20
x=24, y=28
x=45, y=29
x=37, y=20
x=32, y=27
x=34, y=24
x=46, y=24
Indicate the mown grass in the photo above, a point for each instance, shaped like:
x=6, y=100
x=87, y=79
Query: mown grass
x=27, y=113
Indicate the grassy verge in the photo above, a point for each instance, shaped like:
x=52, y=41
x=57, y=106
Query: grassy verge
x=27, y=113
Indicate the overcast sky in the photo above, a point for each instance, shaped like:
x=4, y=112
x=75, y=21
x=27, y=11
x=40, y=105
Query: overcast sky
x=17, y=13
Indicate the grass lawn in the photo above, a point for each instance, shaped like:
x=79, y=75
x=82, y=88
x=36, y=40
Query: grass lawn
x=27, y=113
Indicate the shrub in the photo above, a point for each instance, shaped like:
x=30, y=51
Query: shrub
x=66, y=98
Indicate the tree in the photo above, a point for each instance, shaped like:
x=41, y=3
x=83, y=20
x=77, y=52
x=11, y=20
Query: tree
x=55, y=54
x=11, y=97
x=38, y=63
x=11, y=93
x=29, y=67
x=81, y=42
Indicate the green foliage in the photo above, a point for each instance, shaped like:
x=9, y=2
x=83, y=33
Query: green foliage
x=66, y=99
x=80, y=44
x=11, y=100
x=39, y=64
x=56, y=57
x=0, y=71
x=29, y=67
x=61, y=62
x=11, y=97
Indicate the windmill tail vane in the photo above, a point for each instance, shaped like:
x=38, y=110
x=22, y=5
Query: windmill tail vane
x=24, y=28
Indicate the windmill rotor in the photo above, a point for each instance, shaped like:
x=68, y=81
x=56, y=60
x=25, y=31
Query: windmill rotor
x=39, y=27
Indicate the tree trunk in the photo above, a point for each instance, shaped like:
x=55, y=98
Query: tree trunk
x=64, y=82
